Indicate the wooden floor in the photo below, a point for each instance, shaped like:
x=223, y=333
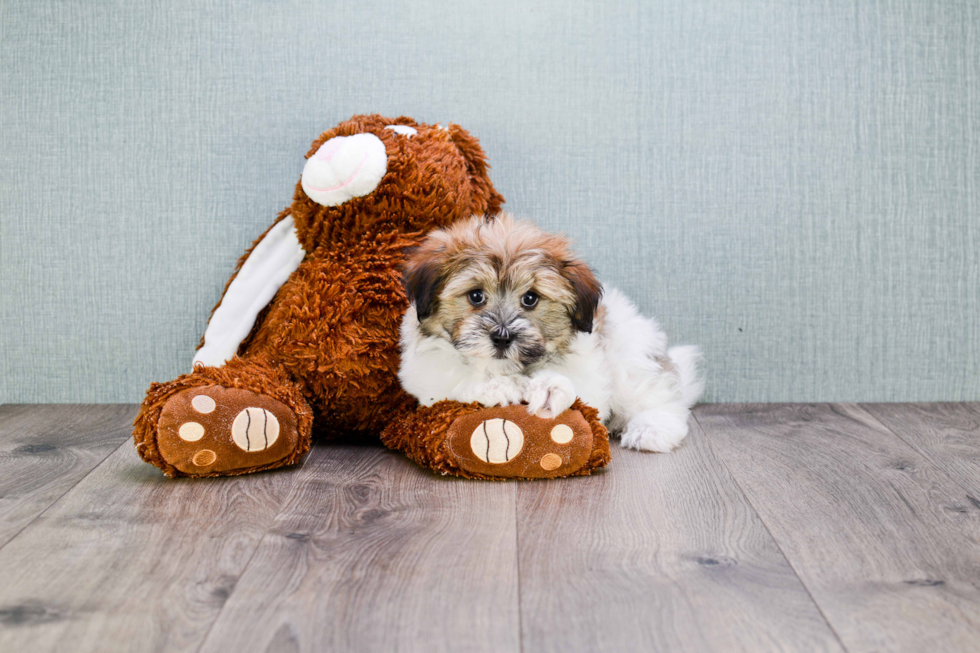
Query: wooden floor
x=774, y=528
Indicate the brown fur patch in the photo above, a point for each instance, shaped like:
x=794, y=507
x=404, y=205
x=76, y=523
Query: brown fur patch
x=327, y=344
x=505, y=258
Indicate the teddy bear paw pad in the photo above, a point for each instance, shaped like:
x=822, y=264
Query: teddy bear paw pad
x=507, y=442
x=212, y=429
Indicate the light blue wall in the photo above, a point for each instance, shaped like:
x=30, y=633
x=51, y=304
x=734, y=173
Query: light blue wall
x=793, y=185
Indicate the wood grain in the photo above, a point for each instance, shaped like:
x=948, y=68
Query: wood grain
x=46, y=450
x=886, y=543
x=371, y=553
x=947, y=434
x=359, y=549
x=657, y=553
x=131, y=561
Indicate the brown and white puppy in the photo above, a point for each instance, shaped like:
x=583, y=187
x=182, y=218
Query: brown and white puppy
x=504, y=313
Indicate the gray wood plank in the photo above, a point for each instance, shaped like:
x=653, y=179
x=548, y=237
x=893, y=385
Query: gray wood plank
x=46, y=450
x=660, y=552
x=945, y=433
x=131, y=561
x=372, y=553
x=886, y=543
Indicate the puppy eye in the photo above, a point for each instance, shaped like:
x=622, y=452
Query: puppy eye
x=529, y=299
x=476, y=297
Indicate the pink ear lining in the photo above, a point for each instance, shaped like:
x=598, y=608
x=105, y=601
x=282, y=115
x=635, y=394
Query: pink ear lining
x=328, y=149
x=349, y=179
x=344, y=167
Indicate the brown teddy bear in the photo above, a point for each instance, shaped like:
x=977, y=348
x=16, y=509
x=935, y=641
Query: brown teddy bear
x=306, y=333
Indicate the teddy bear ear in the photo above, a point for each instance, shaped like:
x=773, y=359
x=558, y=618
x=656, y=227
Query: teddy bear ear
x=487, y=199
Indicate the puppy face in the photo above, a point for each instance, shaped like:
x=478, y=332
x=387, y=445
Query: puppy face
x=501, y=290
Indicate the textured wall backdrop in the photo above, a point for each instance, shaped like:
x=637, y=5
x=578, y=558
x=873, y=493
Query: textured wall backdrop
x=793, y=185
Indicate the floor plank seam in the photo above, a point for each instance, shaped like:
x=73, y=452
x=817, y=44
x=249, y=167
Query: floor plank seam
x=63, y=494
x=775, y=541
x=248, y=564
x=517, y=561
x=217, y=616
x=921, y=451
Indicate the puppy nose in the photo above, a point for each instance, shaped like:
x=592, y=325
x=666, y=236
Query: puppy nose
x=501, y=338
x=343, y=168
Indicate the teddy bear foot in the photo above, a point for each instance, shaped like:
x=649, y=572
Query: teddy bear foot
x=507, y=442
x=216, y=431
x=502, y=442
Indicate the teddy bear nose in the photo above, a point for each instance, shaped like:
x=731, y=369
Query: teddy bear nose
x=343, y=168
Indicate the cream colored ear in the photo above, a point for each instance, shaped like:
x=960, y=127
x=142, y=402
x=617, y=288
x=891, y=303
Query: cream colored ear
x=345, y=167
x=276, y=257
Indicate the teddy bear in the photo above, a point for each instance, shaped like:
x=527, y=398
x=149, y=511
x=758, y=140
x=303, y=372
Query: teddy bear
x=305, y=337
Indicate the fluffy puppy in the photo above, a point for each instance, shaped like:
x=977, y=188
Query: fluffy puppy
x=503, y=313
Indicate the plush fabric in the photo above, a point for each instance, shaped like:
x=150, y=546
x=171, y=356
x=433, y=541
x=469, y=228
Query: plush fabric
x=275, y=256
x=323, y=354
x=404, y=130
x=426, y=436
x=252, y=374
x=343, y=168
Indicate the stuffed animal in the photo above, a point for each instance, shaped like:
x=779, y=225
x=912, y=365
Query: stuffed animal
x=305, y=336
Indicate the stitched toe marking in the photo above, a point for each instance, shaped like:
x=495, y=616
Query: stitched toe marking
x=203, y=404
x=562, y=434
x=204, y=457
x=191, y=431
x=255, y=429
x=497, y=441
x=550, y=461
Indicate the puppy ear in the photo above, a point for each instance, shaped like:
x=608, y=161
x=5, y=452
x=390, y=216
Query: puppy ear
x=423, y=278
x=587, y=291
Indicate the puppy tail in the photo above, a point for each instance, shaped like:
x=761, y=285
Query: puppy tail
x=687, y=358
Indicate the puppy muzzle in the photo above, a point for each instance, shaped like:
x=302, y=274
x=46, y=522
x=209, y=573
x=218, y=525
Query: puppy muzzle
x=501, y=337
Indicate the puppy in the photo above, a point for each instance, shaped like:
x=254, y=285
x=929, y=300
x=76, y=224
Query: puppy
x=504, y=313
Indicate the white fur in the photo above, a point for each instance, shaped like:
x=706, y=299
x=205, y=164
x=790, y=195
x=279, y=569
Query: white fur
x=404, y=130
x=616, y=369
x=265, y=270
x=343, y=168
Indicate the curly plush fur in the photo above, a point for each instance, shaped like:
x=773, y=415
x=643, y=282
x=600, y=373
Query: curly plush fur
x=326, y=346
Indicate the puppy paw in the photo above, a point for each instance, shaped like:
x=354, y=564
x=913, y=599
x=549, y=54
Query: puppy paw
x=654, y=430
x=498, y=391
x=549, y=394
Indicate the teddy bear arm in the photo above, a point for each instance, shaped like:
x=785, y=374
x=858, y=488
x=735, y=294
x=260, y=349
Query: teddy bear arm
x=260, y=272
